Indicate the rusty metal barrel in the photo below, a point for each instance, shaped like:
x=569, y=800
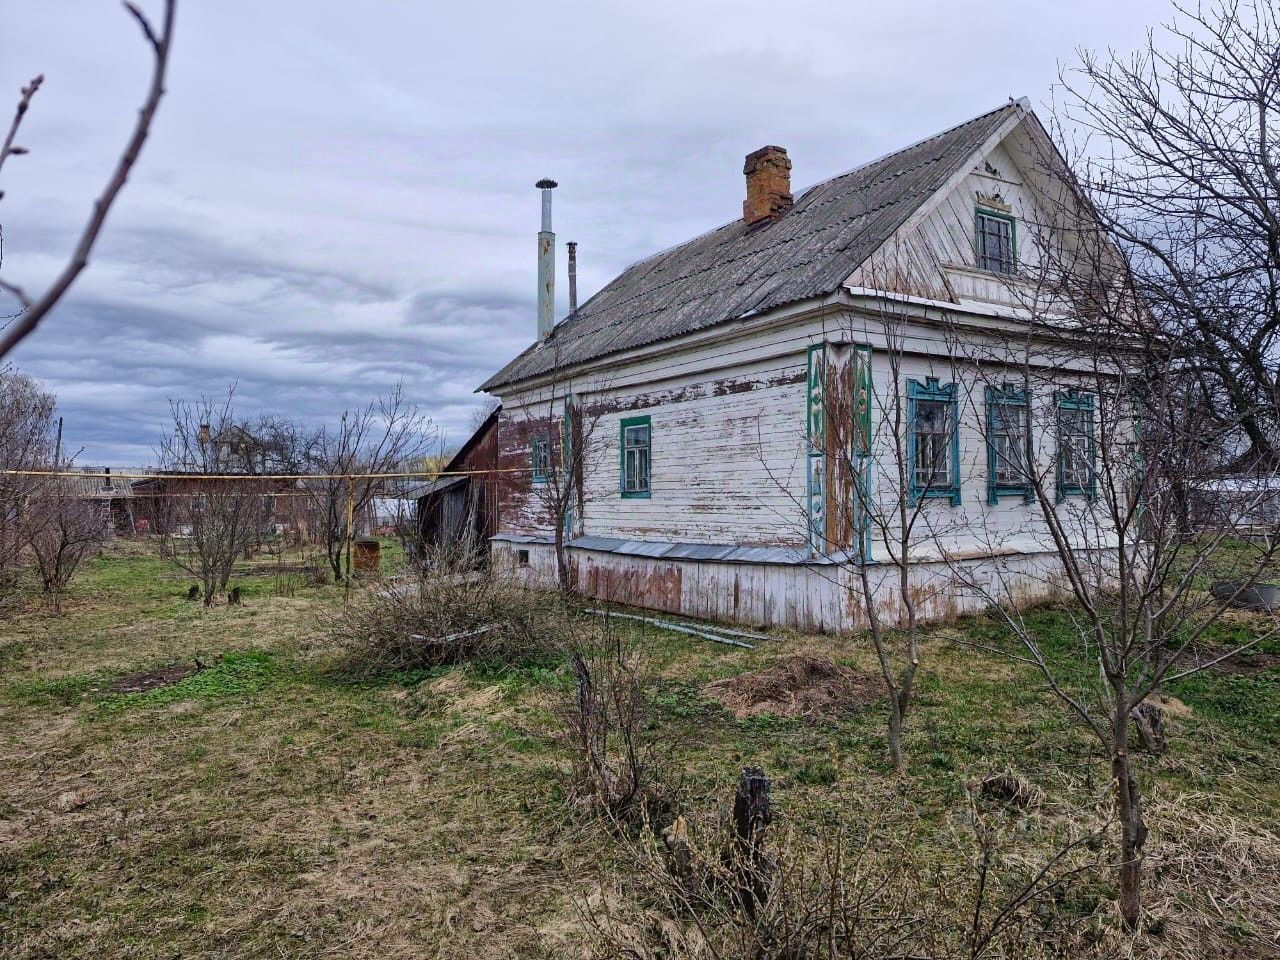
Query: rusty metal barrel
x=367, y=553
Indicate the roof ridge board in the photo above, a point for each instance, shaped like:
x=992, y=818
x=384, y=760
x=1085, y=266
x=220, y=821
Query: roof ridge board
x=919, y=143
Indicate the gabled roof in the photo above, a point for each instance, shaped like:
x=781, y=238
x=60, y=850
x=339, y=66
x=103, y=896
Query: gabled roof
x=736, y=270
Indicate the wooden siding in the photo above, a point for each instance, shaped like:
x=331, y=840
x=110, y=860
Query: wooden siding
x=825, y=598
x=729, y=444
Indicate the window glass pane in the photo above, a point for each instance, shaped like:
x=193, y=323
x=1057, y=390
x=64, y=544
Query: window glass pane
x=635, y=459
x=1009, y=443
x=1076, y=450
x=995, y=244
x=933, y=444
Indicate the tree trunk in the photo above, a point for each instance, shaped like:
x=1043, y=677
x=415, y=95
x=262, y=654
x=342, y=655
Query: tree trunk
x=895, y=736
x=562, y=561
x=1133, y=831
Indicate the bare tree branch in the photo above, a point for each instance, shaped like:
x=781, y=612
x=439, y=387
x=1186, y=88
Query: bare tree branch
x=36, y=309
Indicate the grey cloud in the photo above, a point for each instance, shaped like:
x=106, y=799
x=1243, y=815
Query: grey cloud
x=337, y=196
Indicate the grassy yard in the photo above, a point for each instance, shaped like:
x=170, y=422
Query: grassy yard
x=271, y=806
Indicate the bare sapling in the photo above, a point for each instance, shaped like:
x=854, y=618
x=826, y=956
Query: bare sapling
x=210, y=505
x=352, y=461
x=61, y=529
x=560, y=424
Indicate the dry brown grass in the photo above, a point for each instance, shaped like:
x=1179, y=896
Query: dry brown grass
x=269, y=806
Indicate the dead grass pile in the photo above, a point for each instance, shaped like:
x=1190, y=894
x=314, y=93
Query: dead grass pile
x=803, y=687
x=449, y=612
x=1214, y=878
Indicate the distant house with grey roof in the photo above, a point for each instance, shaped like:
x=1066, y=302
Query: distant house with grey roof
x=705, y=373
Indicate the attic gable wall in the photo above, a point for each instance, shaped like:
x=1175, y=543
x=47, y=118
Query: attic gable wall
x=935, y=257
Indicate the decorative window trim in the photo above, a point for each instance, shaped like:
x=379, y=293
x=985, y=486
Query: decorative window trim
x=815, y=439
x=568, y=467
x=864, y=394
x=540, y=458
x=1008, y=395
x=1073, y=399
x=931, y=390
x=980, y=212
x=622, y=458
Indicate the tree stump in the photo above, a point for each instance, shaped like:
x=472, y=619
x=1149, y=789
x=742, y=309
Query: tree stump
x=193, y=593
x=233, y=598
x=752, y=814
x=676, y=838
x=1149, y=720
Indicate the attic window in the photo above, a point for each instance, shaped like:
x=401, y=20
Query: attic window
x=995, y=240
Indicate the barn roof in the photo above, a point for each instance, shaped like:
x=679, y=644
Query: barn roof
x=737, y=270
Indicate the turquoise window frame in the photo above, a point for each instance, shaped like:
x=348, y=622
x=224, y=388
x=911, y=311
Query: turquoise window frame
x=622, y=458
x=1073, y=399
x=536, y=444
x=1008, y=395
x=978, y=214
x=932, y=390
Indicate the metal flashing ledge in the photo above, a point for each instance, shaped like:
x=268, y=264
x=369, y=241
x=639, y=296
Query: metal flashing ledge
x=707, y=552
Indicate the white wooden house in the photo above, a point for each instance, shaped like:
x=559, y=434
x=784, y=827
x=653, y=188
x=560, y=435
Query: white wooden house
x=705, y=372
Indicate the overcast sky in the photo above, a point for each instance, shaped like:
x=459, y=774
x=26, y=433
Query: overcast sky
x=338, y=195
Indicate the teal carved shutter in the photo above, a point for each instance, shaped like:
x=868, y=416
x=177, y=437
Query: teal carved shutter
x=815, y=442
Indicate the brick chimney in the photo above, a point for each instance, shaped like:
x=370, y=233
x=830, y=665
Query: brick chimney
x=768, y=172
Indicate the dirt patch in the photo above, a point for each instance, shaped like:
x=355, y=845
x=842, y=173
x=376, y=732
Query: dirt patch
x=151, y=679
x=1246, y=663
x=806, y=688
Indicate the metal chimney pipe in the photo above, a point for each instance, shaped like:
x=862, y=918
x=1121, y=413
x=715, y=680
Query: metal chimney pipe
x=546, y=264
x=573, y=276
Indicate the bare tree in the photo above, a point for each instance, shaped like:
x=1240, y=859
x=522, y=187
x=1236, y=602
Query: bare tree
x=881, y=473
x=376, y=439
x=26, y=444
x=565, y=444
x=211, y=507
x=35, y=308
x=61, y=530
x=1181, y=160
x=1087, y=412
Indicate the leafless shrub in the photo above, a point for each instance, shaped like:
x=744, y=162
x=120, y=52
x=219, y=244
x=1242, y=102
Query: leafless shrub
x=60, y=530
x=868, y=876
x=208, y=509
x=26, y=418
x=448, y=612
x=604, y=715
